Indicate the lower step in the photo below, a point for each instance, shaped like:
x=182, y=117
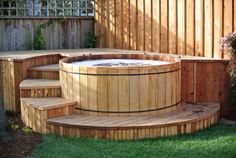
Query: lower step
x=191, y=119
x=35, y=111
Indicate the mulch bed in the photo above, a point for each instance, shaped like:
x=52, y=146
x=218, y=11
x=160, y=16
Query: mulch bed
x=18, y=143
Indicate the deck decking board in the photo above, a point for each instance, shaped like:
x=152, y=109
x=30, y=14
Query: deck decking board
x=47, y=103
x=116, y=122
x=43, y=74
x=39, y=84
x=36, y=88
x=50, y=67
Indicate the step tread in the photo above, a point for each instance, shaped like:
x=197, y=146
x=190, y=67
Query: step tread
x=47, y=103
x=188, y=113
x=39, y=84
x=51, y=67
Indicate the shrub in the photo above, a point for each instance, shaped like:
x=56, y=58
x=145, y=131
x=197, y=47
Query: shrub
x=92, y=39
x=229, y=43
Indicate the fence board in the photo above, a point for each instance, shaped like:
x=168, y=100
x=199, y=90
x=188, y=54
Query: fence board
x=208, y=38
x=140, y=25
x=148, y=25
x=126, y=30
x=111, y=24
x=181, y=27
x=156, y=25
x=119, y=27
x=133, y=25
x=190, y=14
x=228, y=16
x=199, y=28
x=172, y=26
x=234, y=15
x=218, y=31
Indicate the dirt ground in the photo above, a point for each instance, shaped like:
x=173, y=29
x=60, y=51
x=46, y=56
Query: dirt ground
x=18, y=143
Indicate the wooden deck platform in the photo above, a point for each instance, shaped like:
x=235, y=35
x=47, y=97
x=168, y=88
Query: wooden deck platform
x=44, y=110
x=58, y=116
x=193, y=72
x=188, y=113
x=190, y=119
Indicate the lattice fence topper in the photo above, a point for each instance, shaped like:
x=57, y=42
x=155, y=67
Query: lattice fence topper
x=46, y=8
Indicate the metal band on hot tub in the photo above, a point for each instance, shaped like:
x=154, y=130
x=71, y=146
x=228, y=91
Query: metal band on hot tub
x=138, y=111
x=152, y=73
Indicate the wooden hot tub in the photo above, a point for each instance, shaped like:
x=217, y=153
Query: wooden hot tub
x=126, y=90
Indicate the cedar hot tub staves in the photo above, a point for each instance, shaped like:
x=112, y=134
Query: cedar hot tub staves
x=124, y=90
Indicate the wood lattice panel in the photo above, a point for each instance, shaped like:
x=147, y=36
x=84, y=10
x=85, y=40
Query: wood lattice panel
x=45, y=8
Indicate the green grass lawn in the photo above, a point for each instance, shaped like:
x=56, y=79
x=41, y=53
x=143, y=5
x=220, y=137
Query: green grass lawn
x=218, y=141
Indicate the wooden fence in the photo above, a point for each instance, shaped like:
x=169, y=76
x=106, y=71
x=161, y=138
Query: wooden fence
x=19, y=33
x=190, y=27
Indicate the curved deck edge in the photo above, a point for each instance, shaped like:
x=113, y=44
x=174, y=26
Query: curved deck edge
x=133, y=132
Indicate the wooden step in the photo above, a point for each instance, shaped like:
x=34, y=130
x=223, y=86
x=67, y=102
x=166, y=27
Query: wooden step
x=35, y=111
x=44, y=72
x=190, y=119
x=40, y=88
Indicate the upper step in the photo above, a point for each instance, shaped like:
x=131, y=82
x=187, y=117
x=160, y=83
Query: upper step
x=44, y=72
x=39, y=84
x=51, y=67
x=36, y=88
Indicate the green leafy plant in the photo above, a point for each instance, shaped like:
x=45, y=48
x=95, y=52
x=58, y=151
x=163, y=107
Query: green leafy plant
x=39, y=41
x=92, y=39
x=229, y=43
x=27, y=130
x=15, y=126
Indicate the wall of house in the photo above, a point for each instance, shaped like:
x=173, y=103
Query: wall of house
x=189, y=27
x=19, y=33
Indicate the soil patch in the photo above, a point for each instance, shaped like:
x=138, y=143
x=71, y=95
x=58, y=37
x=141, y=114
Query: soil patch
x=18, y=143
